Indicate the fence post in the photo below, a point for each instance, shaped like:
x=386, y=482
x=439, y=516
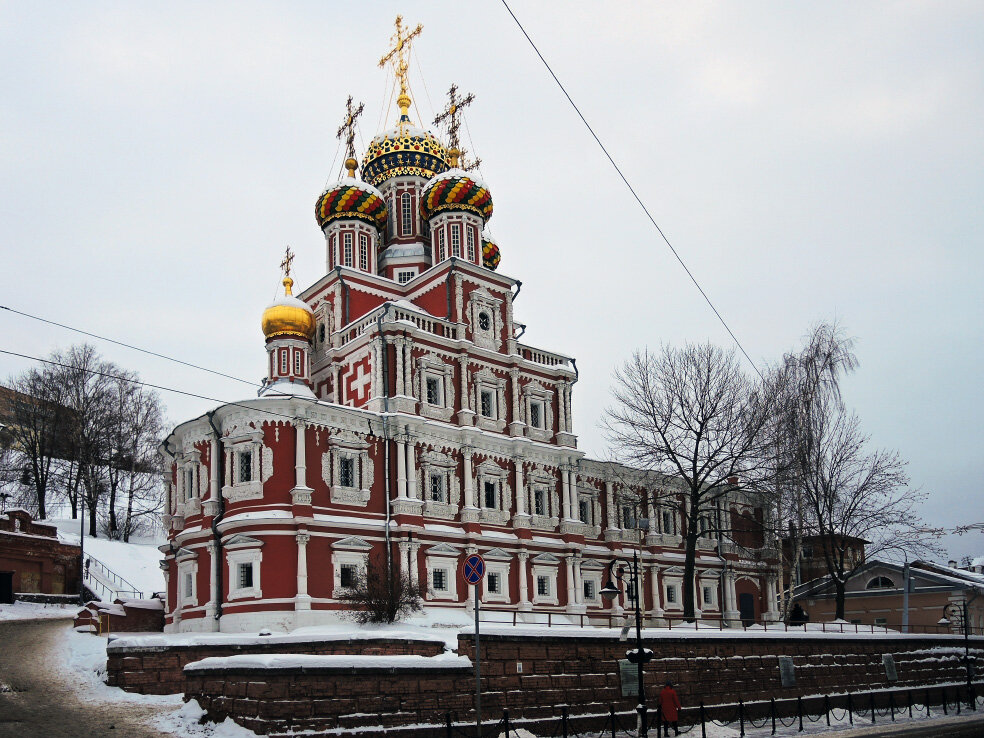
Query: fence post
x=871, y=704
x=957, y=700
x=703, y=726
x=891, y=704
x=850, y=709
x=927, y=703
x=910, y=703
x=943, y=699
x=826, y=709
x=447, y=722
x=641, y=717
x=505, y=722
x=563, y=721
x=772, y=713
x=799, y=711
x=973, y=698
x=659, y=720
x=741, y=718
x=613, y=721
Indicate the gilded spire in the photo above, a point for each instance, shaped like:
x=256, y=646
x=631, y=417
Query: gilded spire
x=285, y=265
x=401, y=41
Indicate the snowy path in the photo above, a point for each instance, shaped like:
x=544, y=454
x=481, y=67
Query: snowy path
x=39, y=698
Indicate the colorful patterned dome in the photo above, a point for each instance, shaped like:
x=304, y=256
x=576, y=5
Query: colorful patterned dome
x=288, y=317
x=456, y=190
x=402, y=151
x=350, y=198
x=490, y=253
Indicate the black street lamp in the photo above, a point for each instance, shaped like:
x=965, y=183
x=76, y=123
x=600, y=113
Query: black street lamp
x=640, y=655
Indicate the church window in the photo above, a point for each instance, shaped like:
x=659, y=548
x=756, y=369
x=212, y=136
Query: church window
x=439, y=580
x=488, y=403
x=540, y=502
x=245, y=466
x=434, y=391
x=543, y=586
x=283, y=361
x=406, y=215
x=246, y=576
x=321, y=332
x=590, y=594
x=456, y=240
x=671, y=593
x=440, y=245
x=405, y=275
x=584, y=510
x=536, y=414
x=628, y=516
x=491, y=495
x=668, y=523
x=346, y=472
x=470, y=232
x=189, y=586
x=493, y=582
x=348, y=575
x=708, y=595
x=437, y=492
x=880, y=583
x=484, y=321
x=189, y=482
x=364, y=252
x=630, y=590
x=347, y=261
x=297, y=363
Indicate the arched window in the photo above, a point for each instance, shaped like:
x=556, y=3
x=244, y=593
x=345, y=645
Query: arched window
x=406, y=215
x=880, y=583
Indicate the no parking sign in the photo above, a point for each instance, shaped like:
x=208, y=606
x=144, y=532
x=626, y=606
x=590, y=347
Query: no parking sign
x=473, y=569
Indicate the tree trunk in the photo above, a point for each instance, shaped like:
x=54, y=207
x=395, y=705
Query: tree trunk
x=689, y=567
x=840, y=590
x=92, y=519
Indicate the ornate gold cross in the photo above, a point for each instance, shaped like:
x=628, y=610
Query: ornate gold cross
x=288, y=260
x=348, y=127
x=452, y=114
x=398, y=53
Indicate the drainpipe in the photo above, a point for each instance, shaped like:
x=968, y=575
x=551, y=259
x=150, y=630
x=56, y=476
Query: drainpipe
x=519, y=288
x=386, y=449
x=521, y=332
x=216, y=536
x=577, y=374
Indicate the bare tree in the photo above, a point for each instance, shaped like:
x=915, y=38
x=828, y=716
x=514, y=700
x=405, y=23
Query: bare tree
x=850, y=493
x=692, y=414
x=376, y=598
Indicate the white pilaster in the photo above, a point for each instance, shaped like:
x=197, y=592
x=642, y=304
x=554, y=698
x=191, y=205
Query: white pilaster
x=401, y=468
x=411, y=469
x=524, y=597
x=303, y=601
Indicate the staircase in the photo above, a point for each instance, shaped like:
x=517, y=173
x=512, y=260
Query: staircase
x=105, y=583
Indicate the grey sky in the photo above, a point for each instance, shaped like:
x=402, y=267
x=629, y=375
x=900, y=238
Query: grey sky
x=808, y=161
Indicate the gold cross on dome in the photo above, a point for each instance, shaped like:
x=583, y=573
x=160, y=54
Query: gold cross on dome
x=348, y=127
x=288, y=260
x=452, y=114
x=466, y=165
x=398, y=55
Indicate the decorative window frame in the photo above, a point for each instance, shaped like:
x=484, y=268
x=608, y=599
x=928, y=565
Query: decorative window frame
x=672, y=577
x=499, y=562
x=710, y=579
x=489, y=471
x=348, y=551
x=410, y=273
x=243, y=549
x=592, y=571
x=539, y=479
x=481, y=300
x=545, y=565
x=535, y=392
x=486, y=380
x=348, y=445
x=431, y=365
x=443, y=556
x=188, y=497
x=436, y=462
x=187, y=561
x=251, y=441
x=591, y=528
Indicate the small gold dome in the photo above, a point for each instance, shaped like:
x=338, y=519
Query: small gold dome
x=288, y=317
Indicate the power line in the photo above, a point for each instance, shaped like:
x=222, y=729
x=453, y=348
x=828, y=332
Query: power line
x=632, y=190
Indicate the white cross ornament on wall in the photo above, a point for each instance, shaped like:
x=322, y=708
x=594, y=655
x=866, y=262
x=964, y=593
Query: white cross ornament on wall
x=360, y=385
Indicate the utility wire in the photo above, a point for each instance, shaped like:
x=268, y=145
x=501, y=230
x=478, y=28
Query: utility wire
x=632, y=190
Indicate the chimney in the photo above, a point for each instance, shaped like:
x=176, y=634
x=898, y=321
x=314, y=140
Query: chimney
x=952, y=564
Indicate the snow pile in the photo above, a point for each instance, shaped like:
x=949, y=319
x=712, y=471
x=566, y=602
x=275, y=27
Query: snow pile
x=36, y=611
x=336, y=661
x=187, y=723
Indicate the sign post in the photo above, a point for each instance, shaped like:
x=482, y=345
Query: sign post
x=473, y=572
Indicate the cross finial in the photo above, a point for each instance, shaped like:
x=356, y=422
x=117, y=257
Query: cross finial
x=288, y=260
x=465, y=164
x=348, y=127
x=398, y=55
x=452, y=114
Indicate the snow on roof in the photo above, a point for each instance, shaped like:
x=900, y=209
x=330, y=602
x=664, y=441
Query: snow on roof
x=283, y=388
x=149, y=604
x=407, y=305
x=353, y=182
x=313, y=634
x=335, y=661
x=456, y=174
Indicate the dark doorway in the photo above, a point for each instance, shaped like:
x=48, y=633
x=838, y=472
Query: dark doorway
x=7, y=587
x=746, y=604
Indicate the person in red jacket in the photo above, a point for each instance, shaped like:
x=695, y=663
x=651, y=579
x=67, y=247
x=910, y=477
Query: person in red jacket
x=669, y=706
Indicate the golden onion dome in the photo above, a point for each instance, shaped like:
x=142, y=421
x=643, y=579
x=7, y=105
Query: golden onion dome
x=288, y=317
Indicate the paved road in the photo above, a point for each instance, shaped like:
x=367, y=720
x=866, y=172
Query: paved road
x=952, y=727
x=39, y=699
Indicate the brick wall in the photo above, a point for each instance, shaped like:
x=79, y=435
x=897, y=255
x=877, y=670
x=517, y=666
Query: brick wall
x=40, y=563
x=579, y=672
x=158, y=669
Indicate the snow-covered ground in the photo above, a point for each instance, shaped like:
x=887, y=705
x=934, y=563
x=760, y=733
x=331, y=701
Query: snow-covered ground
x=136, y=561
x=36, y=611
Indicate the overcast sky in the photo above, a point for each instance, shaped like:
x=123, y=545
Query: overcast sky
x=809, y=161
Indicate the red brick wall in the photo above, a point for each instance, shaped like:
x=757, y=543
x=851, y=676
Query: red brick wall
x=39, y=564
x=157, y=669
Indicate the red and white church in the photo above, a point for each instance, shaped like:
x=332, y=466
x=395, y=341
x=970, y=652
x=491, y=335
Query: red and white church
x=402, y=418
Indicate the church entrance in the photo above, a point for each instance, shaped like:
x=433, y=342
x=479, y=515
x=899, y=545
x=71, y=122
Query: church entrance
x=746, y=605
x=6, y=587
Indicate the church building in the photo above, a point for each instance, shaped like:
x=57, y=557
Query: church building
x=403, y=421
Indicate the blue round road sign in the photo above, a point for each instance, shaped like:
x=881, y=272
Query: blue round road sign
x=473, y=569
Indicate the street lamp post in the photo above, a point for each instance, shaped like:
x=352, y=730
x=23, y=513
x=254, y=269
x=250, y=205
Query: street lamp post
x=639, y=656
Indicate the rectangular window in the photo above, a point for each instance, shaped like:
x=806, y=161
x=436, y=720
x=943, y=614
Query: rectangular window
x=490, y=495
x=589, y=589
x=347, y=250
x=331, y=252
x=245, y=576
x=488, y=403
x=405, y=276
x=437, y=487
x=543, y=586
x=540, y=502
x=630, y=590
x=189, y=482
x=245, y=466
x=433, y=391
x=189, y=585
x=347, y=575
x=406, y=215
x=708, y=596
x=494, y=582
x=439, y=580
x=283, y=362
x=364, y=252
x=881, y=621
x=440, y=245
x=671, y=593
x=346, y=472
x=471, y=243
x=456, y=240
x=584, y=510
x=536, y=414
x=628, y=516
x=668, y=526
x=297, y=363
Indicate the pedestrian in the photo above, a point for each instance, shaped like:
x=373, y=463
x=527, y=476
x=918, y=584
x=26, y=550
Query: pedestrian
x=669, y=706
x=798, y=616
